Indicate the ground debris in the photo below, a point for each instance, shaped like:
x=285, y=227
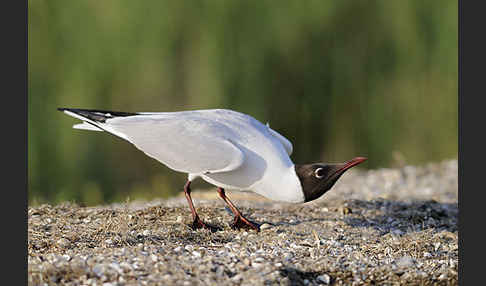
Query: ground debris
x=381, y=227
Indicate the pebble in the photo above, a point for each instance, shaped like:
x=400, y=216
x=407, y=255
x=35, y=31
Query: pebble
x=99, y=270
x=257, y=265
x=125, y=266
x=237, y=278
x=247, y=262
x=405, y=262
x=64, y=243
x=436, y=246
x=115, y=266
x=78, y=264
x=324, y=278
x=397, y=232
x=345, y=210
x=265, y=226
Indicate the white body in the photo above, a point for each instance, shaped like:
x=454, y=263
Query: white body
x=225, y=148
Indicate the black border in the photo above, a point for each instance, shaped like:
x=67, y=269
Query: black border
x=471, y=120
x=14, y=139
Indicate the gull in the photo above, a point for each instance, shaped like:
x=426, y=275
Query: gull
x=226, y=148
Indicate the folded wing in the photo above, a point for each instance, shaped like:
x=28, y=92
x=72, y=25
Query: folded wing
x=190, y=145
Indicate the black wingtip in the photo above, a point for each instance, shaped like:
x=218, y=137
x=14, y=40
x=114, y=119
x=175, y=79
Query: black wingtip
x=96, y=114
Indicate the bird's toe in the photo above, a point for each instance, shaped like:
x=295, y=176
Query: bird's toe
x=241, y=222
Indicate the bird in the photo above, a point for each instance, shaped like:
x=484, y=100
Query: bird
x=226, y=148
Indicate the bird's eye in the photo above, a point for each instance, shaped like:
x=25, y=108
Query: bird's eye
x=319, y=173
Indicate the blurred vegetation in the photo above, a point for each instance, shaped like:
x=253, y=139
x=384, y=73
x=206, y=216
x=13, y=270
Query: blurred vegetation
x=338, y=78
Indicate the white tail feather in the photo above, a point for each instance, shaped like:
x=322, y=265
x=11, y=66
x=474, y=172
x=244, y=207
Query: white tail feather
x=86, y=126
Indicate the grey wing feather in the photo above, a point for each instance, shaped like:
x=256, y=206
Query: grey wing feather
x=188, y=145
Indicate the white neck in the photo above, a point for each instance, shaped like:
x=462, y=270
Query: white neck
x=278, y=187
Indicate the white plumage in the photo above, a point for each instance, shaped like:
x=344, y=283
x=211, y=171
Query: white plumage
x=226, y=148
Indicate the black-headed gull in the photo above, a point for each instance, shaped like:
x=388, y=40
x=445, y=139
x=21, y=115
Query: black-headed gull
x=228, y=149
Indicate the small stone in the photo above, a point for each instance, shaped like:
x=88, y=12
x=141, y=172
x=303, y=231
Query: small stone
x=196, y=253
x=126, y=267
x=64, y=243
x=146, y=232
x=115, y=266
x=237, y=278
x=179, y=219
x=345, y=210
x=259, y=259
x=265, y=226
x=324, y=278
x=405, y=262
x=99, y=270
x=220, y=271
x=397, y=232
x=78, y=264
x=436, y=246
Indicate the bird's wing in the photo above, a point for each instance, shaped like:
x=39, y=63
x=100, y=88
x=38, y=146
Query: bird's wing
x=284, y=141
x=185, y=144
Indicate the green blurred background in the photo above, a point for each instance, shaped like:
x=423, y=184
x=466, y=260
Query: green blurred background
x=338, y=78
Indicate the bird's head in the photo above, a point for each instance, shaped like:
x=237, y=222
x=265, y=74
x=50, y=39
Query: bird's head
x=316, y=179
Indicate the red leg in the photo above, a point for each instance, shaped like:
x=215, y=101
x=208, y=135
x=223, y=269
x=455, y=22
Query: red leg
x=197, y=222
x=240, y=221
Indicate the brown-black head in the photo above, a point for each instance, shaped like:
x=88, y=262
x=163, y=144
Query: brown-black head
x=316, y=179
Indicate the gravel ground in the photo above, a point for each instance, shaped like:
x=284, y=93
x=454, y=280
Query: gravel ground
x=382, y=227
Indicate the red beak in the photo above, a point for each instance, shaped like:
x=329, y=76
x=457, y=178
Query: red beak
x=349, y=164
